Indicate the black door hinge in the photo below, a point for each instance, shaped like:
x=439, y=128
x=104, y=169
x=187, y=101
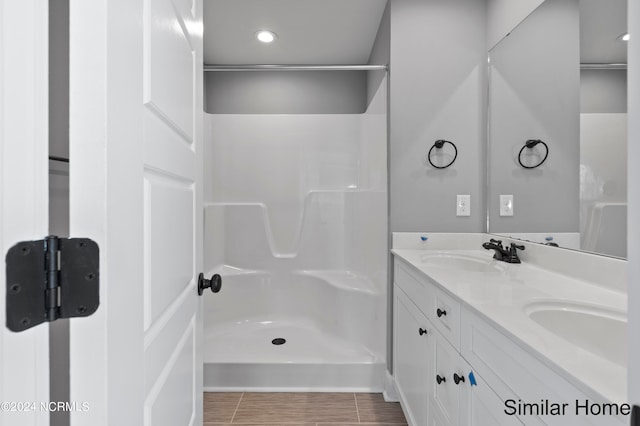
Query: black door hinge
x=51, y=279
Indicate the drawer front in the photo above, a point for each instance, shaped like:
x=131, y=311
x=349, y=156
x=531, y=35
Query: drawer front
x=445, y=315
x=518, y=376
x=440, y=308
x=419, y=290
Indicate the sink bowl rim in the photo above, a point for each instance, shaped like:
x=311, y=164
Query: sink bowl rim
x=480, y=261
x=585, y=308
x=476, y=257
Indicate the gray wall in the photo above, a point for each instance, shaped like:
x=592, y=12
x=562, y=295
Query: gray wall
x=535, y=94
x=603, y=91
x=438, y=61
x=286, y=92
x=59, y=78
x=59, y=188
x=380, y=53
x=504, y=15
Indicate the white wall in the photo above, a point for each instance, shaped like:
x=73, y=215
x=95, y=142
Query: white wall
x=438, y=61
x=634, y=201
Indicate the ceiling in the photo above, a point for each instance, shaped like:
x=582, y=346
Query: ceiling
x=322, y=32
x=601, y=22
x=342, y=32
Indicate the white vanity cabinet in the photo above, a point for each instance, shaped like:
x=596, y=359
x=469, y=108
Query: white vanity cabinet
x=432, y=378
x=453, y=367
x=516, y=375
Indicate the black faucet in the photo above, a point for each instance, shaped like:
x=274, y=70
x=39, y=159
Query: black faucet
x=506, y=255
x=513, y=254
x=496, y=245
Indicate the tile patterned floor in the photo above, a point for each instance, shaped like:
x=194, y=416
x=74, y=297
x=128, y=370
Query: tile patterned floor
x=300, y=409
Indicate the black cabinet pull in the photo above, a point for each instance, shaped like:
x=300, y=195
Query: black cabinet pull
x=440, y=379
x=422, y=331
x=441, y=313
x=457, y=379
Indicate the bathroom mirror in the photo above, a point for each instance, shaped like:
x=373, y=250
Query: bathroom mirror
x=560, y=77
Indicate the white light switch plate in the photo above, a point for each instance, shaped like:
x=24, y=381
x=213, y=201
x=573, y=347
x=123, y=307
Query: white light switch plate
x=463, y=205
x=506, y=205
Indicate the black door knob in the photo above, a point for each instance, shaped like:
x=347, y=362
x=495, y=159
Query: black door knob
x=440, y=379
x=422, y=331
x=215, y=283
x=457, y=378
x=441, y=312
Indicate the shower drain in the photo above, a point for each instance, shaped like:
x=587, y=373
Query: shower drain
x=279, y=341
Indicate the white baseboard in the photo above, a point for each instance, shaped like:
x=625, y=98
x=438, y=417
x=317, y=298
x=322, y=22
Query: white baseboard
x=390, y=393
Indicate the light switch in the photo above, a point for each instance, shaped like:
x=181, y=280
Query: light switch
x=463, y=205
x=506, y=205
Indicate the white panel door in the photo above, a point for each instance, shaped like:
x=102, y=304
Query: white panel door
x=135, y=188
x=24, y=360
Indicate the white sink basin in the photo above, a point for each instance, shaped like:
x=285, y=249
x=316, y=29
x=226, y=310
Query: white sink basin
x=600, y=331
x=461, y=262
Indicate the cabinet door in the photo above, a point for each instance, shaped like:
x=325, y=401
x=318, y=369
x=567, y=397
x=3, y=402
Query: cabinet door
x=445, y=391
x=486, y=408
x=412, y=356
x=454, y=400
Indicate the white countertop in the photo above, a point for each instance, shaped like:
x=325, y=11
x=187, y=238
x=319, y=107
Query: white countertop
x=501, y=296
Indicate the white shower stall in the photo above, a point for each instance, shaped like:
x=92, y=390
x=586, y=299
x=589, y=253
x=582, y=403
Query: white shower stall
x=296, y=225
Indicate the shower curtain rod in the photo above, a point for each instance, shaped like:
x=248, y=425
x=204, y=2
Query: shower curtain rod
x=596, y=66
x=295, y=67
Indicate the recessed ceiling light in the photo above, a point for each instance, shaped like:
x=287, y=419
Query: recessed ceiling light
x=266, y=36
x=624, y=37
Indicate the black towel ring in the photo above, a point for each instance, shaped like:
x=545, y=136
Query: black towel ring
x=439, y=144
x=530, y=144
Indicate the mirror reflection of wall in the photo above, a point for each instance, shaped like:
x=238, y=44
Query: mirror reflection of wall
x=535, y=94
x=557, y=77
x=603, y=127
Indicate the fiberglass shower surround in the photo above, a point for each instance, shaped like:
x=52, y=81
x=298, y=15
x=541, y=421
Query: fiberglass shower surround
x=296, y=224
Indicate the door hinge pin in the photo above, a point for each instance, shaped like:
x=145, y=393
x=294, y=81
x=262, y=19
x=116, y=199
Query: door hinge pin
x=52, y=305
